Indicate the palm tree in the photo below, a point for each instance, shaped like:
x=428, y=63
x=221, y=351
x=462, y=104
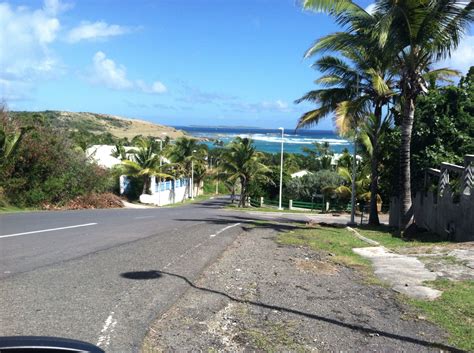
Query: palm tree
x=144, y=162
x=240, y=161
x=412, y=34
x=186, y=152
x=356, y=87
x=418, y=33
x=9, y=140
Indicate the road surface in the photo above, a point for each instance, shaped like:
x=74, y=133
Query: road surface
x=94, y=275
x=88, y=274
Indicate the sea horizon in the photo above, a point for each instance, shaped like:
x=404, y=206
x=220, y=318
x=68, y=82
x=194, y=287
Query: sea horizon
x=269, y=140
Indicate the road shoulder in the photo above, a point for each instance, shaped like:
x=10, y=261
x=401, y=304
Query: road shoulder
x=261, y=295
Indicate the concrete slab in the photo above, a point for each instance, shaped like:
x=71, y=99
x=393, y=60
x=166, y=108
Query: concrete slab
x=405, y=274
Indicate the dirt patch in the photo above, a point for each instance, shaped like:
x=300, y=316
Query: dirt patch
x=263, y=296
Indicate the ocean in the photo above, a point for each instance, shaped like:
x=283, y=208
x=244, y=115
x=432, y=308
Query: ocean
x=269, y=140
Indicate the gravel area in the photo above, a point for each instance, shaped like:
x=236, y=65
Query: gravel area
x=262, y=296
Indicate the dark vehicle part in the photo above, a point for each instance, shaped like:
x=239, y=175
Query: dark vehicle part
x=38, y=344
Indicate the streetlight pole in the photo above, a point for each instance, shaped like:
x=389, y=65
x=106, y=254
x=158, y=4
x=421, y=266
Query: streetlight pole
x=281, y=168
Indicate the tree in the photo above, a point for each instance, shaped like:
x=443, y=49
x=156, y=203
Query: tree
x=413, y=34
x=356, y=87
x=10, y=138
x=186, y=152
x=144, y=162
x=418, y=33
x=241, y=162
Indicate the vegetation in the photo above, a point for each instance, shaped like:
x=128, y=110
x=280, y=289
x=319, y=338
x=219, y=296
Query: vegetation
x=454, y=311
x=336, y=241
x=44, y=168
x=403, y=39
x=240, y=162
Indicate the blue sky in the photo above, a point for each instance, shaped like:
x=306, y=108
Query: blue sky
x=176, y=62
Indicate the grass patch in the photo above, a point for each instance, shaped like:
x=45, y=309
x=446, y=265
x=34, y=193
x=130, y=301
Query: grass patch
x=189, y=201
x=14, y=209
x=454, y=311
x=386, y=236
x=337, y=241
x=264, y=209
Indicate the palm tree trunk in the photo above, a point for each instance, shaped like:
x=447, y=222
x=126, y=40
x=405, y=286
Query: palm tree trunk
x=374, y=173
x=406, y=210
x=374, y=170
x=242, y=193
x=145, y=184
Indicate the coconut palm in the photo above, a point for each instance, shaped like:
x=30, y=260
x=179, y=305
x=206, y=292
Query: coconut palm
x=144, y=162
x=418, y=33
x=356, y=87
x=186, y=152
x=413, y=34
x=240, y=161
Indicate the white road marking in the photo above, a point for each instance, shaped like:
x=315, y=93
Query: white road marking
x=223, y=230
x=110, y=322
x=143, y=217
x=107, y=330
x=47, y=230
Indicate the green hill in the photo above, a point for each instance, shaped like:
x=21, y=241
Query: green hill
x=99, y=123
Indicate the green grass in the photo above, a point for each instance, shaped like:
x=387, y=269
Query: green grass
x=454, y=311
x=386, y=236
x=189, y=201
x=14, y=209
x=337, y=241
x=263, y=209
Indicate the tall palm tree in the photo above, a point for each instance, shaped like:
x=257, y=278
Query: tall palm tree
x=186, y=152
x=241, y=162
x=144, y=162
x=418, y=33
x=356, y=87
x=413, y=34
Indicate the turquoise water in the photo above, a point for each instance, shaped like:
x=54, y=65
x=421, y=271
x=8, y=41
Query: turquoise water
x=269, y=140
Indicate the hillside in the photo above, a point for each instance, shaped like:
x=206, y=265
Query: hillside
x=101, y=123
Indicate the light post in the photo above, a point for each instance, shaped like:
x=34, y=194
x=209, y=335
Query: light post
x=192, y=175
x=281, y=167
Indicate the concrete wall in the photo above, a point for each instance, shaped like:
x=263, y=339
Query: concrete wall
x=166, y=193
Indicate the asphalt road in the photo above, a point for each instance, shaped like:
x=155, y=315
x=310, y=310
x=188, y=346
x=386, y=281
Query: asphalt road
x=94, y=275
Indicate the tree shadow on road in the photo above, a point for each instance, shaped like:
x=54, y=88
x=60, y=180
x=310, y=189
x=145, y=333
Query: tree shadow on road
x=158, y=274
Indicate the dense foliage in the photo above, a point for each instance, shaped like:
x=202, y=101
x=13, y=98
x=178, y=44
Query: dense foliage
x=46, y=168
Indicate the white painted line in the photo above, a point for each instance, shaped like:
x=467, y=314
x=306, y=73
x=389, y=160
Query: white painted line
x=47, y=230
x=223, y=230
x=143, y=217
x=107, y=330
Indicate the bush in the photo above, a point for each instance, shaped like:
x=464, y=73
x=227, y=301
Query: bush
x=49, y=169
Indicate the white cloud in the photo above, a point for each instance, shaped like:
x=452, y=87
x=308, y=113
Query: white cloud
x=371, y=8
x=24, y=38
x=155, y=87
x=109, y=74
x=114, y=76
x=463, y=57
x=96, y=30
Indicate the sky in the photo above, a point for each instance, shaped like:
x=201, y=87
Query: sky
x=175, y=62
